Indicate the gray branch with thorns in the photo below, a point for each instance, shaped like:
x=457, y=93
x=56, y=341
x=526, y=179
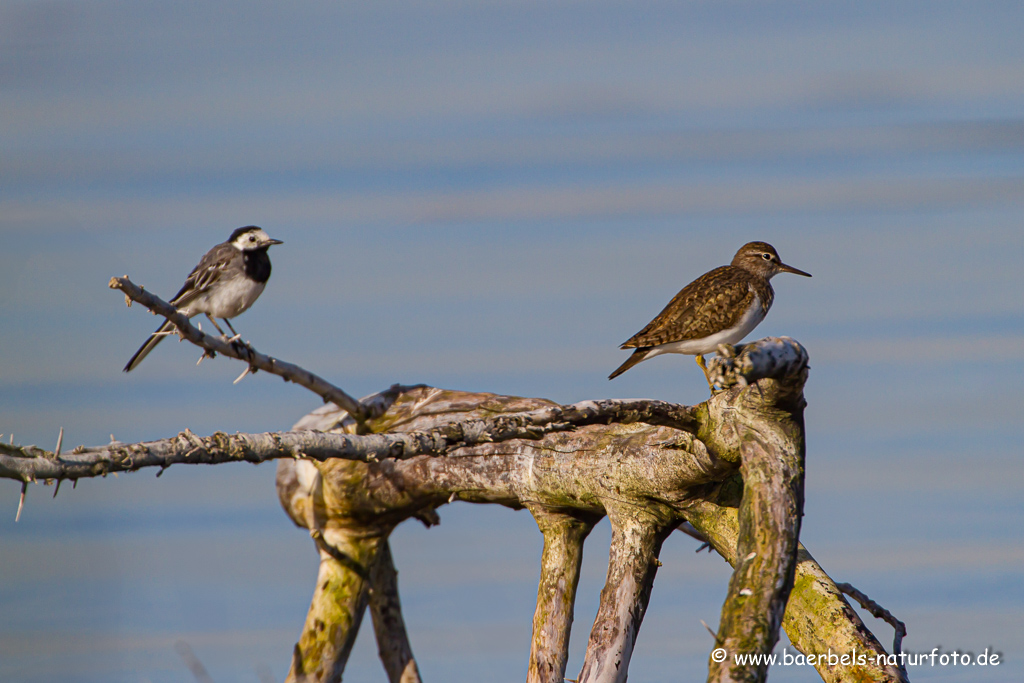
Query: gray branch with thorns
x=729, y=471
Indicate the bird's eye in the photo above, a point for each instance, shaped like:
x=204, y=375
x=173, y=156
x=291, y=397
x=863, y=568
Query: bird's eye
x=252, y=238
x=766, y=257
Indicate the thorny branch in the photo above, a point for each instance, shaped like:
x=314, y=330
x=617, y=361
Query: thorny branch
x=879, y=612
x=241, y=351
x=29, y=463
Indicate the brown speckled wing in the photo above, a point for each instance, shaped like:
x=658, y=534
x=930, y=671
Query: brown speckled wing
x=711, y=303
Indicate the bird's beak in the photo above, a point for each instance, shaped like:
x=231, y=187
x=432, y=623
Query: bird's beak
x=273, y=241
x=783, y=268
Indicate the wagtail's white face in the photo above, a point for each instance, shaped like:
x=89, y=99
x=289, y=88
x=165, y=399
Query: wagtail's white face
x=251, y=238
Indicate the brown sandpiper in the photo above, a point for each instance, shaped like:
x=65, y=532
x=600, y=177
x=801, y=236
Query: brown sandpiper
x=720, y=307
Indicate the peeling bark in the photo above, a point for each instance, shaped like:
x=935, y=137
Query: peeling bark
x=632, y=563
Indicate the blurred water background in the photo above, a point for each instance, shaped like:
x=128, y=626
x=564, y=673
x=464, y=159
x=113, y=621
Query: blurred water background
x=492, y=196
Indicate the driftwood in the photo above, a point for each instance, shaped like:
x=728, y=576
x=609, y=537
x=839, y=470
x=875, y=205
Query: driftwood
x=729, y=469
x=733, y=469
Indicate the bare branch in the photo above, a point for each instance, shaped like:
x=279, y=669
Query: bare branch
x=240, y=351
x=192, y=662
x=28, y=463
x=879, y=612
x=388, y=624
x=645, y=477
x=817, y=617
x=339, y=602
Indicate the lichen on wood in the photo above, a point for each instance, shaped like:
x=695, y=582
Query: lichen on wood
x=560, y=565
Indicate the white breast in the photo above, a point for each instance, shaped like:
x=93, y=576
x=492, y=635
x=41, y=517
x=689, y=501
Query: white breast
x=228, y=298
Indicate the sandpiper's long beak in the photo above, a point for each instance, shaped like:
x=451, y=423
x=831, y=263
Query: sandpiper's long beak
x=783, y=268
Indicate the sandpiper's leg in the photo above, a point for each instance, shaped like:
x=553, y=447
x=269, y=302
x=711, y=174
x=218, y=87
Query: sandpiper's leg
x=704, y=367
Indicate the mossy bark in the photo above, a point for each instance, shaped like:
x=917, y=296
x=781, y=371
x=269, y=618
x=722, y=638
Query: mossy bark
x=556, y=592
x=767, y=421
x=338, y=605
x=818, y=619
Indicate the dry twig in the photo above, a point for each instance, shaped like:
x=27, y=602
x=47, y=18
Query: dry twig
x=241, y=351
x=879, y=612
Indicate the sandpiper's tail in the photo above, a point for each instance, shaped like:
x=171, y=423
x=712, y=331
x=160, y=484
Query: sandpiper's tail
x=150, y=344
x=638, y=355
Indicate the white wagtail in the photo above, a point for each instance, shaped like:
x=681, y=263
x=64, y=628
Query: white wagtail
x=227, y=281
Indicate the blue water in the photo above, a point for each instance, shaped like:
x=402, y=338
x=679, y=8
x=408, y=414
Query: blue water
x=492, y=196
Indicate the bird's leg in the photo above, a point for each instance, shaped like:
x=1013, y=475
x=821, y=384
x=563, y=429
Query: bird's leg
x=238, y=343
x=207, y=353
x=703, y=366
x=216, y=325
x=237, y=336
